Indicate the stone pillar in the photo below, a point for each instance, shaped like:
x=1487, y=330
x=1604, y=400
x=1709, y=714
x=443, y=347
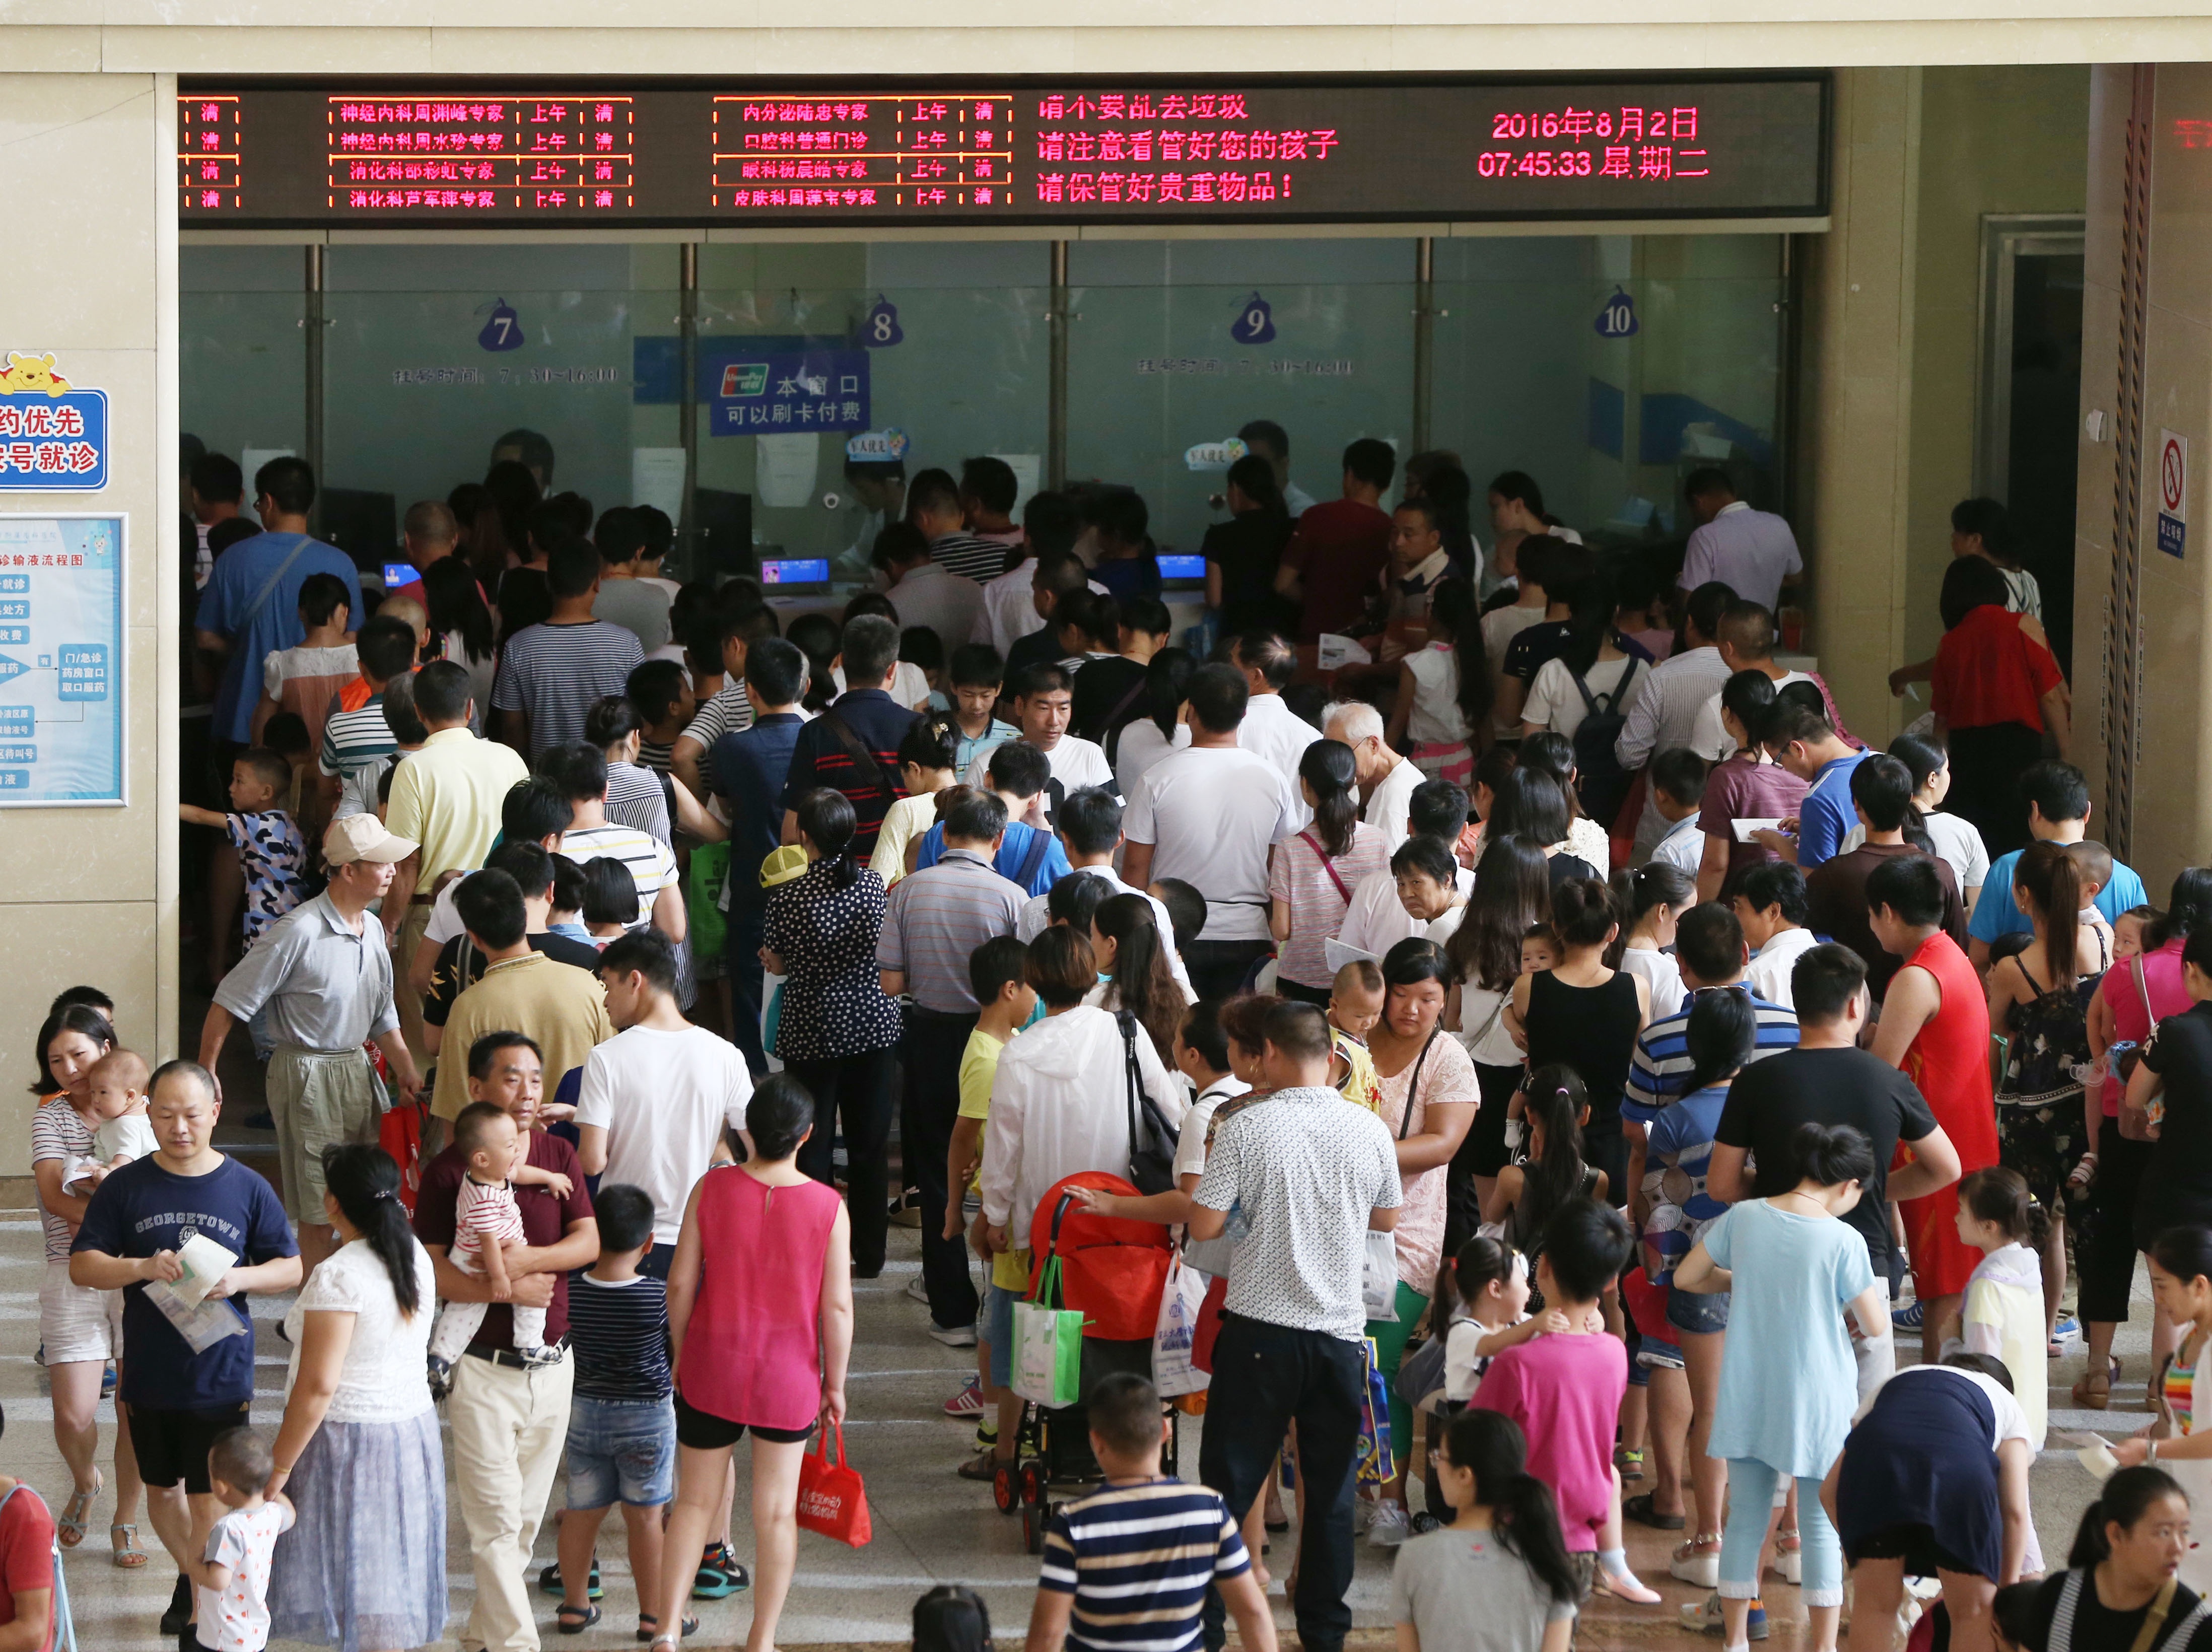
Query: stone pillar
x=1856, y=402
x=90, y=894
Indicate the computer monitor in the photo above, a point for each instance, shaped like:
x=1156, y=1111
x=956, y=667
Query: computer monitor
x=1179, y=573
x=365, y=526
x=398, y=573
x=795, y=576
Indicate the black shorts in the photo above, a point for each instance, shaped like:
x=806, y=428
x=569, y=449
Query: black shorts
x=173, y=1445
x=1916, y=1545
x=702, y=1430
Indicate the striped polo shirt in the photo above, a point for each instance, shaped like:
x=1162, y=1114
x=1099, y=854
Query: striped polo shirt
x=934, y=920
x=1137, y=1559
x=620, y=1333
x=354, y=737
x=552, y=673
x=652, y=864
x=1661, y=1073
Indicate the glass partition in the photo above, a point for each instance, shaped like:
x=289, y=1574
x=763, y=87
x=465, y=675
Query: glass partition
x=1175, y=344
x=1609, y=367
x=243, y=360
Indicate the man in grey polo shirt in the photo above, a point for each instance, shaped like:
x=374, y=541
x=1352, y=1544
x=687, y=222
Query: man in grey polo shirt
x=936, y=918
x=325, y=975
x=1312, y=1174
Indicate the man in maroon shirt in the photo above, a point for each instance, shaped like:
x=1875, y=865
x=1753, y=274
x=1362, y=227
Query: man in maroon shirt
x=510, y=1422
x=1336, y=554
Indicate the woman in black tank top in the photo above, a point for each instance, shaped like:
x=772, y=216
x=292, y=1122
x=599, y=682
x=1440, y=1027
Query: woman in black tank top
x=1587, y=1017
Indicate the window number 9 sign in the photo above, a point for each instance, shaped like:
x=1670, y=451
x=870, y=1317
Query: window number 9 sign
x=1254, y=323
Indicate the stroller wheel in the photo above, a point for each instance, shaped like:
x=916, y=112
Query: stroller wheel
x=1033, y=1485
x=1003, y=1489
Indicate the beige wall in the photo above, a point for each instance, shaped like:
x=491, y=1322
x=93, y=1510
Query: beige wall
x=87, y=188
x=2172, y=759
x=1991, y=140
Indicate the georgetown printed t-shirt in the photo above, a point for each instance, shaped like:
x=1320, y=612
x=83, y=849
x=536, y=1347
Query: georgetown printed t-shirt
x=142, y=1209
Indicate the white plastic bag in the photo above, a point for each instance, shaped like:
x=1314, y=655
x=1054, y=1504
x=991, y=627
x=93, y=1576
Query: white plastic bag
x=1180, y=1301
x=1378, y=1277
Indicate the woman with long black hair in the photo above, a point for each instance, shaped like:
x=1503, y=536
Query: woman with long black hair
x=460, y=617
x=1996, y=692
x=363, y=1567
x=1132, y=958
x=1243, y=554
x=1154, y=732
x=1310, y=883
x=836, y=1033
x=1511, y=893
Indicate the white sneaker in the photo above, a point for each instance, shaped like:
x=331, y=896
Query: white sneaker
x=1389, y=1528
x=954, y=1336
x=1702, y=1570
x=1363, y=1512
x=918, y=1290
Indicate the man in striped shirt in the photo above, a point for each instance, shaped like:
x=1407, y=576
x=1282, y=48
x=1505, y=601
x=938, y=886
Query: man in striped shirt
x=355, y=732
x=932, y=505
x=1126, y=1569
x=580, y=769
x=852, y=747
x=550, y=673
x=1710, y=950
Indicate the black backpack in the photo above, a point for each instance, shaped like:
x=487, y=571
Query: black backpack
x=1604, y=783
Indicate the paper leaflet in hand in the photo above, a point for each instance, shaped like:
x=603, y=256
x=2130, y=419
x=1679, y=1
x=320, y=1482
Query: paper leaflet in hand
x=183, y=1302
x=1336, y=955
x=2095, y=1454
x=1746, y=831
x=1334, y=651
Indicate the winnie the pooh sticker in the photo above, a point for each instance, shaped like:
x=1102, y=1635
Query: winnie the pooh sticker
x=53, y=435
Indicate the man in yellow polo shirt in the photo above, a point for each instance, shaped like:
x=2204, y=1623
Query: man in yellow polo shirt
x=449, y=794
x=562, y=1007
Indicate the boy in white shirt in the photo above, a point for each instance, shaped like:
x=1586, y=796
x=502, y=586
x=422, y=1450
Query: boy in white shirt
x=1677, y=779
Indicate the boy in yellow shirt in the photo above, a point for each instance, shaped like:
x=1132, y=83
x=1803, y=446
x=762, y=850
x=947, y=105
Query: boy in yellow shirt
x=996, y=972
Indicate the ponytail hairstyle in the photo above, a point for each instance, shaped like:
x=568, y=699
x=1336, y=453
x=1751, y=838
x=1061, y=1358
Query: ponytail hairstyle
x=365, y=1181
x=2184, y=1252
x=826, y=817
x=1556, y=1099
x=1482, y=1263
x=2189, y=908
x=2125, y=1498
x=1719, y=1035
x=1830, y=1155
x=1144, y=985
x=1546, y=752
x=1582, y=912
x=1326, y=767
x=2053, y=882
x=1999, y=1193
x=1490, y=1445
x=1637, y=894
x=1922, y=759
x=1456, y=617
x=1512, y=891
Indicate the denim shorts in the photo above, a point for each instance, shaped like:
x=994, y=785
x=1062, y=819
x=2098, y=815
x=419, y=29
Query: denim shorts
x=621, y=1451
x=995, y=1325
x=1701, y=1313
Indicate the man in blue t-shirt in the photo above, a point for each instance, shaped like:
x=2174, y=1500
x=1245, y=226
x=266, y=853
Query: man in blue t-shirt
x=2058, y=812
x=1801, y=738
x=251, y=607
x=748, y=768
x=135, y=1227
x=1028, y=855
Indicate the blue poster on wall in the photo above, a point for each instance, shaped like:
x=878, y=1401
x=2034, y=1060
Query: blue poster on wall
x=53, y=435
x=60, y=660
x=767, y=393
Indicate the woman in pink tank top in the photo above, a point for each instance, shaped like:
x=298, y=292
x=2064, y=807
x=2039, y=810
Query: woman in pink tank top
x=2128, y=1002
x=760, y=1314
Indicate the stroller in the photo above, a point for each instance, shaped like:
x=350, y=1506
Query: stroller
x=1114, y=1270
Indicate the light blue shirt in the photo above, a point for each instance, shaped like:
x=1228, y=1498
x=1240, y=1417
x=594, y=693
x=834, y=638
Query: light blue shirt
x=1789, y=1380
x=1996, y=915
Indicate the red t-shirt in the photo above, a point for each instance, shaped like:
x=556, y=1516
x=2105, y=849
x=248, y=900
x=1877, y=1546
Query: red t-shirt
x=27, y=1554
x=545, y=1220
x=1988, y=670
x=1338, y=550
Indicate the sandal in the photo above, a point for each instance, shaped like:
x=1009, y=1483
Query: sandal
x=1629, y=1464
x=690, y=1627
x=129, y=1557
x=575, y=1620
x=77, y=1511
x=1639, y=1509
x=1788, y=1555
x=2083, y=1174
x=2094, y=1394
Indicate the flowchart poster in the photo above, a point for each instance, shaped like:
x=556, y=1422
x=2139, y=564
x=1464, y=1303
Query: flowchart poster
x=61, y=661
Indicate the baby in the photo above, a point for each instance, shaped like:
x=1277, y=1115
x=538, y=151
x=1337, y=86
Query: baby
x=486, y=1223
x=1355, y=1004
x=117, y=1087
x=1540, y=950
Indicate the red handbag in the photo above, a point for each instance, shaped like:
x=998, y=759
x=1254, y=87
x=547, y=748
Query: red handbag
x=831, y=1499
x=400, y=1131
x=1211, y=1312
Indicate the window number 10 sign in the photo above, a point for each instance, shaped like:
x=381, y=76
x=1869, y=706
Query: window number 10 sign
x=1617, y=319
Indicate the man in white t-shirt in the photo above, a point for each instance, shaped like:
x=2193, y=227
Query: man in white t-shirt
x=1210, y=815
x=1386, y=779
x=1770, y=904
x=656, y=1096
x=1044, y=698
x=1090, y=831
x=1271, y=728
x=1746, y=644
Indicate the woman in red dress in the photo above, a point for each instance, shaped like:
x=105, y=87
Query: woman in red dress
x=1934, y=1028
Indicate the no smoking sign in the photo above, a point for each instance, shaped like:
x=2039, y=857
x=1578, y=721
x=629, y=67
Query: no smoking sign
x=2173, y=493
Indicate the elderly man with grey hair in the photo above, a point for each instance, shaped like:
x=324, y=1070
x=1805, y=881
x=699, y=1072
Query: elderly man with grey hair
x=1386, y=779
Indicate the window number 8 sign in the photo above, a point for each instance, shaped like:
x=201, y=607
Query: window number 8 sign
x=880, y=328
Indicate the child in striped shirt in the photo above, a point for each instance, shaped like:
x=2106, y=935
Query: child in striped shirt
x=486, y=1221
x=1129, y=1566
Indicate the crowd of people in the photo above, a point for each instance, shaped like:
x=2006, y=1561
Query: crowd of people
x=1555, y=1044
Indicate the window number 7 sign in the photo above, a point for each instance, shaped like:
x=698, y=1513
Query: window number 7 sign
x=503, y=331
